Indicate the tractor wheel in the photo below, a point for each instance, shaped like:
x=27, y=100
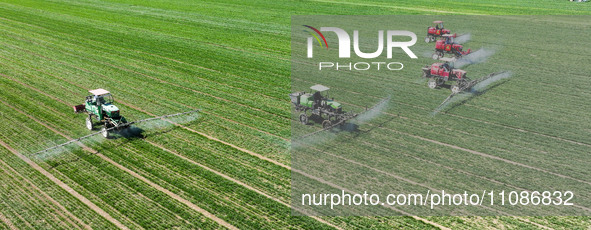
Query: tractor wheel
x=427, y=39
x=104, y=132
x=326, y=124
x=455, y=89
x=304, y=118
x=432, y=83
x=89, y=123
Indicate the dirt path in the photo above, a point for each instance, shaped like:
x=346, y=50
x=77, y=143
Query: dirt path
x=164, y=190
x=63, y=212
x=140, y=177
x=423, y=185
x=488, y=156
x=151, y=114
x=6, y=221
x=484, y=154
x=226, y=143
x=65, y=187
x=194, y=131
x=233, y=180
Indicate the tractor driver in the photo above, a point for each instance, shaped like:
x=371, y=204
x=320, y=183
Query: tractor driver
x=446, y=67
x=97, y=100
x=317, y=99
x=448, y=40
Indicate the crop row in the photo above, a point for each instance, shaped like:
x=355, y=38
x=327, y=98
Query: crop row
x=72, y=121
x=26, y=205
x=258, y=69
x=536, y=148
x=224, y=209
x=195, y=92
x=224, y=155
x=166, y=104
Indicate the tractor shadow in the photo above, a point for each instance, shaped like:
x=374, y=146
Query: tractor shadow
x=315, y=119
x=349, y=127
x=356, y=133
x=475, y=93
x=131, y=132
x=445, y=86
x=346, y=127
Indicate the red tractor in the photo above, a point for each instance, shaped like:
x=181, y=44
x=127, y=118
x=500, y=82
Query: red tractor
x=434, y=32
x=439, y=73
x=448, y=46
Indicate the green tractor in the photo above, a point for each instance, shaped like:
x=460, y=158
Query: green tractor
x=330, y=111
x=99, y=106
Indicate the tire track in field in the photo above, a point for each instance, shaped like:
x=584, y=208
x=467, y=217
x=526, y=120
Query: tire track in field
x=25, y=195
x=134, y=174
x=88, y=149
x=420, y=184
x=242, y=149
x=178, y=125
x=233, y=180
x=39, y=91
x=64, y=186
x=7, y=221
x=476, y=152
x=441, y=166
x=233, y=146
x=47, y=197
x=209, y=137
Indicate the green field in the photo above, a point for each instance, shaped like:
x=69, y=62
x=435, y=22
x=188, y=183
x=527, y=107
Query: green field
x=231, y=168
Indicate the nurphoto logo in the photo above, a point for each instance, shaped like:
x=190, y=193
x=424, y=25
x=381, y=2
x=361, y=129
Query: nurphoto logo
x=344, y=48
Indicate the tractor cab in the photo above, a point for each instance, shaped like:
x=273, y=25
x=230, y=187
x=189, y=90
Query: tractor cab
x=316, y=99
x=100, y=104
x=436, y=31
x=448, y=38
x=438, y=25
x=323, y=100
